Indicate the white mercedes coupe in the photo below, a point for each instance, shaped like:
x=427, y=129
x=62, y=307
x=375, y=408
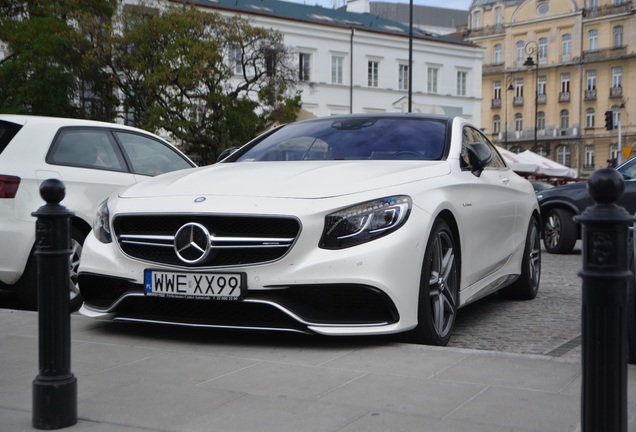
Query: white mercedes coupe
x=361, y=224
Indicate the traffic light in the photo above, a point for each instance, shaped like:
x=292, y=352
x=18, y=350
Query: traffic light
x=609, y=119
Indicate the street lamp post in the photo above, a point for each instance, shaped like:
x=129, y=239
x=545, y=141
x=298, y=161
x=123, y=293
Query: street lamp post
x=532, y=48
x=509, y=88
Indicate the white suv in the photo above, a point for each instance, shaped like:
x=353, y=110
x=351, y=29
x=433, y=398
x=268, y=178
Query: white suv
x=92, y=158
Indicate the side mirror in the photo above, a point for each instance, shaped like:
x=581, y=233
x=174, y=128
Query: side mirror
x=479, y=156
x=225, y=153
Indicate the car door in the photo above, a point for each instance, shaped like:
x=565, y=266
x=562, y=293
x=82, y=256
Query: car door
x=493, y=213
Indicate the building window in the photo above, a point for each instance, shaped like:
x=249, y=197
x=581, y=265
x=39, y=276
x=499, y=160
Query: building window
x=591, y=80
x=462, y=80
x=520, y=54
x=589, y=118
x=498, y=15
x=403, y=77
x=519, y=88
x=496, y=90
x=431, y=84
x=617, y=77
x=543, y=50
x=565, y=83
x=304, y=61
x=563, y=155
x=564, y=119
x=592, y=40
x=374, y=73
x=518, y=122
x=235, y=59
x=271, y=60
x=496, y=124
x=593, y=4
x=498, y=54
x=337, y=64
x=541, y=120
x=613, y=151
x=477, y=20
x=589, y=156
x=541, y=85
x=618, y=36
x=566, y=46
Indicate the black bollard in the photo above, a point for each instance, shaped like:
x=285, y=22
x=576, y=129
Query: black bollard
x=605, y=277
x=55, y=387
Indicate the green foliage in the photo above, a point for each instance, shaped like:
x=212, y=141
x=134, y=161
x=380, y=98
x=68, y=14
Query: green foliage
x=47, y=49
x=162, y=69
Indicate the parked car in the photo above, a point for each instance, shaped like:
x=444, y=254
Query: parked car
x=93, y=159
x=560, y=204
x=540, y=185
x=345, y=225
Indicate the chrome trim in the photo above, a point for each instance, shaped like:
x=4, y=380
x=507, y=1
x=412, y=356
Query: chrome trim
x=138, y=320
x=286, y=311
x=243, y=242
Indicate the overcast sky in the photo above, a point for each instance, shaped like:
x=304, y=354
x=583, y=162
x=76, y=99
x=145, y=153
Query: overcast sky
x=450, y=4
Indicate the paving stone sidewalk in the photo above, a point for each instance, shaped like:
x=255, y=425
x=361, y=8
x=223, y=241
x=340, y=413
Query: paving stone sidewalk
x=134, y=378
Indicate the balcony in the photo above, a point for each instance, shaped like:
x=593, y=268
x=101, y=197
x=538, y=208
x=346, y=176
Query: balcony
x=564, y=97
x=590, y=94
x=616, y=92
x=496, y=103
x=604, y=54
x=608, y=10
x=517, y=101
x=486, y=31
x=541, y=98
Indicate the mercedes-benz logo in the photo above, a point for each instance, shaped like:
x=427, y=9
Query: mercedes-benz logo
x=192, y=243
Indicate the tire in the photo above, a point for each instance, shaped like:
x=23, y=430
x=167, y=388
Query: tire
x=526, y=286
x=559, y=231
x=439, y=288
x=28, y=285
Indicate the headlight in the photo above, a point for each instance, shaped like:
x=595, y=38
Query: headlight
x=365, y=222
x=101, y=224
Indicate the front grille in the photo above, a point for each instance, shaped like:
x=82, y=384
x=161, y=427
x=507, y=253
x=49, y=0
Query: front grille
x=329, y=304
x=233, y=240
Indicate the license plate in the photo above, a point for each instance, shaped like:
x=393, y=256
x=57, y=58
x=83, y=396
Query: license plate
x=204, y=286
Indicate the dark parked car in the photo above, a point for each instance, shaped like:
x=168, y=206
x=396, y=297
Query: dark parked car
x=560, y=204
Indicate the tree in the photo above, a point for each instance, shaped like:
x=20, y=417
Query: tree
x=47, y=61
x=210, y=81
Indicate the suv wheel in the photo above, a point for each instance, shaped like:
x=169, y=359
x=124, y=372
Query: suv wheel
x=559, y=231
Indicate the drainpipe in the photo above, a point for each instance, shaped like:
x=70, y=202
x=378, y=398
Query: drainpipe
x=351, y=71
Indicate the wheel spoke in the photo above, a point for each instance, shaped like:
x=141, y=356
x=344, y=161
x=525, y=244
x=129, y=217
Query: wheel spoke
x=441, y=282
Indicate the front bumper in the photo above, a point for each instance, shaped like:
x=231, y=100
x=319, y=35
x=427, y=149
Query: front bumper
x=371, y=288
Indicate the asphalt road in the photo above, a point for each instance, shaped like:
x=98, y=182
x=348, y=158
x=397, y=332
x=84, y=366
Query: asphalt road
x=548, y=325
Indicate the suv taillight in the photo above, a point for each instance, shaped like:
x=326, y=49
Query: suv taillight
x=8, y=186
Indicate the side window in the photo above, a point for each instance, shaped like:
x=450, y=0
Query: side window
x=470, y=136
x=86, y=148
x=497, y=162
x=150, y=157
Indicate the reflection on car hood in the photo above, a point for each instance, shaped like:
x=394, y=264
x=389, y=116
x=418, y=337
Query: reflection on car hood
x=305, y=179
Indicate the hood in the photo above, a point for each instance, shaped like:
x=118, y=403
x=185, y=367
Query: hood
x=304, y=179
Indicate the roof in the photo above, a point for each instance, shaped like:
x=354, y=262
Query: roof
x=422, y=15
x=323, y=16
x=488, y=4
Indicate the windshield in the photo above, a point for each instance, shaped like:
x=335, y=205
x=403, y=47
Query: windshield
x=354, y=138
x=628, y=169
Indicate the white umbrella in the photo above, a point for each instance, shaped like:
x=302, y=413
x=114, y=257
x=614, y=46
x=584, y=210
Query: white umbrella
x=548, y=167
x=517, y=163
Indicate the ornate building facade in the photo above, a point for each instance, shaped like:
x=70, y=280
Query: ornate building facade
x=552, y=69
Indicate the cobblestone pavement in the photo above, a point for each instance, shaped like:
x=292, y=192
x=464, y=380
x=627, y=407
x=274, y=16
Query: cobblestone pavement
x=549, y=325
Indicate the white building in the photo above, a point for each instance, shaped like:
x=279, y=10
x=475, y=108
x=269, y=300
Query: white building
x=358, y=62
